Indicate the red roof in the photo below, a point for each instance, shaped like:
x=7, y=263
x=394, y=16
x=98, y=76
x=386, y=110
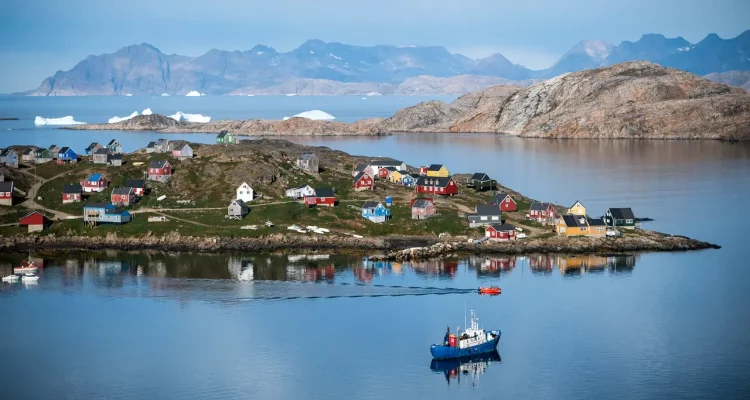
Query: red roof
x=32, y=218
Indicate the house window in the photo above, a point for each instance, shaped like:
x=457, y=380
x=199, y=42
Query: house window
x=495, y=218
x=628, y=221
x=483, y=218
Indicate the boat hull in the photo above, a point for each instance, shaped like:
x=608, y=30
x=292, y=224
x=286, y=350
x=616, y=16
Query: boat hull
x=441, y=352
x=448, y=364
x=23, y=270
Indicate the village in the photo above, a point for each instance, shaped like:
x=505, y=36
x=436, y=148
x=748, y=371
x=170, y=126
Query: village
x=178, y=186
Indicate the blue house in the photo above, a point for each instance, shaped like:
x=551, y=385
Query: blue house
x=66, y=155
x=409, y=179
x=104, y=213
x=92, y=148
x=9, y=157
x=375, y=212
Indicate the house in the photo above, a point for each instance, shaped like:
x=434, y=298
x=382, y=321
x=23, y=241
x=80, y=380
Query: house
x=385, y=172
x=500, y=232
x=481, y=182
x=363, y=181
x=423, y=208
x=597, y=227
x=300, y=192
x=6, y=193
x=159, y=170
x=226, y=138
x=423, y=171
x=308, y=162
x=572, y=225
x=577, y=209
x=485, y=214
x=245, y=192
x=28, y=155
x=101, y=156
x=103, y=213
x=138, y=185
x=71, y=193
x=182, y=151
x=237, y=209
x=321, y=197
x=376, y=165
x=123, y=196
x=42, y=156
x=162, y=146
x=66, y=155
x=151, y=147
x=9, y=157
x=542, y=212
x=397, y=176
x=114, y=146
x=54, y=150
x=362, y=168
x=409, y=179
x=444, y=185
x=437, y=170
x=375, y=211
x=92, y=148
x=94, y=183
x=620, y=217
x=504, y=201
x=115, y=160
x=35, y=220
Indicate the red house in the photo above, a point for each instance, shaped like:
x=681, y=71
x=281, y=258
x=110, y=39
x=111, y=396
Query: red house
x=71, y=193
x=138, y=185
x=6, y=193
x=34, y=220
x=500, y=232
x=362, y=181
x=322, y=197
x=505, y=202
x=123, y=196
x=542, y=212
x=445, y=186
x=159, y=170
x=94, y=183
x=423, y=171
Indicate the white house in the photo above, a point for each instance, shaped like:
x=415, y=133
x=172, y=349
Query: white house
x=300, y=192
x=245, y=192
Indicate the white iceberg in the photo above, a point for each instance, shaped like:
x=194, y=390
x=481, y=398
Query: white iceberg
x=117, y=119
x=374, y=94
x=129, y=95
x=56, y=121
x=165, y=95
x=181, y=116
x=314, y=115
x=291, y=94
x=193, y=93
x=251, y=95
x=147, y=112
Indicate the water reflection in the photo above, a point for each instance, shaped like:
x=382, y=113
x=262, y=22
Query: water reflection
x=471, y=368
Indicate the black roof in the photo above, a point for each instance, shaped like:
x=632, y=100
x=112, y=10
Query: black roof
x=323, y=192
x=415, y=176
x=480, y=176
x=92, y=145
x=122, y=190
x=157, y=163
x=622, y=213
x=386, y=163
x=370, y=204
x=539, y=206
x=222, y=134
x=6, y=186
x=596, y=222
x=102, y=150
x=440, y=182
x=488, y=209
x=391, y=169
x=113, y=141
x=151, y=144
x=64, y=149
x=135, y=183
x=421, y=203
x=358, y=176
x=435, y=167
x=72, y=188
x=503, y=227
x=574, y=220
x=360, y=167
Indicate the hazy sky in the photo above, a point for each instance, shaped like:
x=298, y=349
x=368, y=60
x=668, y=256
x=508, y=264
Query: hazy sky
x=39, y=37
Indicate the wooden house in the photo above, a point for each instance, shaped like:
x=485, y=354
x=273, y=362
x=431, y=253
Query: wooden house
x=9, y=157
x=6, y=193
x=481, y=182
x=322, y=197
x=159, y=170
x=71, y=193
x=397, y=176
x=162, y=146
x=597, y=227
x=361, y=168
x=28, y=155
x=376, y=165
x=66, y=155
x=104, y=213
x=115, y=160
x=409, y=179
x=363, y=181
x=375, y=211
x=237, y=209
x=500, y=232
x=101, y=156
x=572, y=225
x=438, y=171
x=542, y=212
x=245, y=192
x=577, y=209
x=54, y=150
x=504, y=201
x=94, y=182
x=123, y=196
x=226, y=138
x=308, y=162
x=114, y=146
x=182, y=151
x=423, y=208
x=444, y=186
x=300, y=192
x=92, y=148
x=423, y=171
x=620, y=217
x=151, y=147
x=383, y=172
x=42, y=156
x=485, y=214
x=138, y=185
x=35, y=220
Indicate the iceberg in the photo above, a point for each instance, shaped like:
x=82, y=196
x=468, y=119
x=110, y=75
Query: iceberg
x=39, y=121
x=129, y=95
x=147, y=112
x=165, y=95
x=251, y=95
x=374, y=94
x=193, y=93
x=181, y=116
x=291, y=94
x=314, y=115
x=117, y=119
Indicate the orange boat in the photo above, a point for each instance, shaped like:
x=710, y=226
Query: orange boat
x=490, y=290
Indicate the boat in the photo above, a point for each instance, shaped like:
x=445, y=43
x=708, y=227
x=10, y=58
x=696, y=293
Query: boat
x=29, y=278
x=27, y=266
x=493, y=290
x=10, y=278
x=473, y=341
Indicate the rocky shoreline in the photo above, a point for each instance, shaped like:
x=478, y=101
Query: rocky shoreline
x=401, y=248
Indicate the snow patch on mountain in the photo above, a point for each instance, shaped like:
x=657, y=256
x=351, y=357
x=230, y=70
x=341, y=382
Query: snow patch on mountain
x=147, y=112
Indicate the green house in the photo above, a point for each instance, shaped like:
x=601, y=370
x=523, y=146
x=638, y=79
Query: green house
x=619, y=217
x=226, y=138
x=42, y=156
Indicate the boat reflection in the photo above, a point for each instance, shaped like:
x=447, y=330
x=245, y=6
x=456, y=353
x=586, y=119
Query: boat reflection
x=461, y=368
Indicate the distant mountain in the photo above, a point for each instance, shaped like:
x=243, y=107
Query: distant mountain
x=144, y=70
x=733, y=78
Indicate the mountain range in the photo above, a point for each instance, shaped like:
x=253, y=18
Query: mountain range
x=144, y=70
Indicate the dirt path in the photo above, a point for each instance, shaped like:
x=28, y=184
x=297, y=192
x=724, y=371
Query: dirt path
x=185, y=220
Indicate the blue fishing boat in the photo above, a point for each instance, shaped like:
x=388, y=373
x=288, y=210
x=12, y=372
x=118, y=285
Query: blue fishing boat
x=471, y=342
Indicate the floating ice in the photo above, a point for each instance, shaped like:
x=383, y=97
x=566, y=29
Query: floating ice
x=129, y=95
x=314, y=115
x=56, y=121
x=147, y=112
x=193, y=93
x=291, y=94
x=165, y=95
x=250, y=95
x=374, y=94
x=181, y=116
x=117, y=119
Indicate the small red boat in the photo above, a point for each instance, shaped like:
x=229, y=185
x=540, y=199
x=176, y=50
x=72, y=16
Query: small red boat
x=493, y=290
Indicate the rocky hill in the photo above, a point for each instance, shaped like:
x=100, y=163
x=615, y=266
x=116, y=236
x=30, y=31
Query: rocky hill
x=733, y=78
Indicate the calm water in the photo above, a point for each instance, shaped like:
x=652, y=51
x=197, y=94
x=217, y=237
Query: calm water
x=196, y=326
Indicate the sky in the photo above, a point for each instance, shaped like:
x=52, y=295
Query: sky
x=39, y=37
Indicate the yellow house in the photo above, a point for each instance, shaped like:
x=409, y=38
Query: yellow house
x=573, y=225
x=438, y=171
x=396, y=176
x=577, y=209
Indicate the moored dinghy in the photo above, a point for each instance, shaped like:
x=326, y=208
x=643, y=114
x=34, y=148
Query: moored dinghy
x=30, y=278
x=10, y=278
